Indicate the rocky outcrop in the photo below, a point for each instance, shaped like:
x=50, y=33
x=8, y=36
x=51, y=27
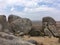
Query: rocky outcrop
x=49, y=27
x=6, y=39
x=21, y=25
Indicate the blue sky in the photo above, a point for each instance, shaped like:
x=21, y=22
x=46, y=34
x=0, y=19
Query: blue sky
x=32, y=9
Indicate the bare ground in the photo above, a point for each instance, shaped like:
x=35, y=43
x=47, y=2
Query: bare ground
x=44, y=40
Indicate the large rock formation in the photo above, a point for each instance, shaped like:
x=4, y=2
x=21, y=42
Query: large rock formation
x=49, y=27
x=6, y=39
x=21, y=25
x=48, y=20
x=15, y=25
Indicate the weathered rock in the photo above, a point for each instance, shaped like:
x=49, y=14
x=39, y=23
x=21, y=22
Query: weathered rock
x=34, y=32
x=21, y=25
x=47, y=32
x=20, y=34
x=7, y=36
x=8, y=40
x=54, y=31
x=50, y=23
x=12, y=18
x=49, y=20
x=1, y=27
x=33, y=42
x=3, y=22
x=46, y=21
x=13, y=42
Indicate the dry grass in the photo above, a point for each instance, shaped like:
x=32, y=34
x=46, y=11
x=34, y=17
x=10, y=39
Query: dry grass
x=44, y=40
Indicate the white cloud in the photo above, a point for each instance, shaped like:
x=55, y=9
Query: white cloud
x=38, y=13
x=43, y=8
x=12, y=9
x=26, y=3
x=31, y=8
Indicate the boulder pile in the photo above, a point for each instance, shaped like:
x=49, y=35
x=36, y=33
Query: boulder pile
x=15, y=26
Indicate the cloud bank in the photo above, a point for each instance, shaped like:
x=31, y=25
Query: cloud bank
x=33, y=9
